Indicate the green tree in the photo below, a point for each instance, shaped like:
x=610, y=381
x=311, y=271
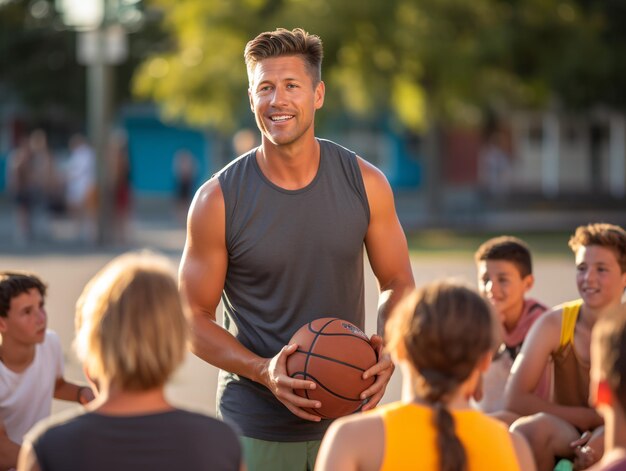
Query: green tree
x=404, y=62
x=38, y=63
x=37, y=59
x=374, y=56
x=410, y=60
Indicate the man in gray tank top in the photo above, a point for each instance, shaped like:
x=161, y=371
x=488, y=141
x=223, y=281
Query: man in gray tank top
x=278, y=235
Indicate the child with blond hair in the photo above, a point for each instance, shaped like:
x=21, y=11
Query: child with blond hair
x=131, y=335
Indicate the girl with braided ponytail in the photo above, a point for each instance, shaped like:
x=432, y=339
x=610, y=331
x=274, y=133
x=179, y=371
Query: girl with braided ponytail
x=442, y=336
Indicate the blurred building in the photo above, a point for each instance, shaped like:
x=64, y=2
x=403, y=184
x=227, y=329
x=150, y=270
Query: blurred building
x=555, y=162
x=554, y=159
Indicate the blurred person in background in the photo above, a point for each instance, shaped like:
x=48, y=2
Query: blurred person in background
x=45, y=182
x=20, y=186
x=494, y=166
x=244, y=140
x=185, y=170
x=122, y=191
x=81, y=194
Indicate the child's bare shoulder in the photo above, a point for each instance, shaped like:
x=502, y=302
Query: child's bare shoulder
x=547, y=329
x=552, y=317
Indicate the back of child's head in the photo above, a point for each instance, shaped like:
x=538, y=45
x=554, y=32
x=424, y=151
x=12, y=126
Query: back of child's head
x=131, y=328
x=443, y=330
x=507, y=248
x=609, y=354
x=610, y=236
x=14, y=283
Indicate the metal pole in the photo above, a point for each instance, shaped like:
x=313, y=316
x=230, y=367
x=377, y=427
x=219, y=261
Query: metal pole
x=99, y=99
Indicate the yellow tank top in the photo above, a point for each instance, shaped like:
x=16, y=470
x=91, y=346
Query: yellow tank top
x=568, y=322
x=571, y=375
x=411, y=439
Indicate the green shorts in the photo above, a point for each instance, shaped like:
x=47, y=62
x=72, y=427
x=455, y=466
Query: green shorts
x=262, y=455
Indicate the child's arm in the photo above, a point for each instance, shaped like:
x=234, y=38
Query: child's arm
x=589, y=448
x=523, y=452
x=350, y=443
x=28, y=458
x=336, y=452
x=72, y=392
x=8, y=449
x=542, y=340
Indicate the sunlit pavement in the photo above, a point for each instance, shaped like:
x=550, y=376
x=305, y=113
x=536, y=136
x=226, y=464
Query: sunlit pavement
x=67, y=266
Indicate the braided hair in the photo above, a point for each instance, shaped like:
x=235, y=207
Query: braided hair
x=443, y=330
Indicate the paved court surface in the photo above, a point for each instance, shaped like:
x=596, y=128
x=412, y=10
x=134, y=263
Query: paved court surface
x=67, y=267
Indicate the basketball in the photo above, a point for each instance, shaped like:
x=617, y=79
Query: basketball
x=333, y=353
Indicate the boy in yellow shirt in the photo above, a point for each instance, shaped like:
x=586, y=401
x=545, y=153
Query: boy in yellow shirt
x=563, y=335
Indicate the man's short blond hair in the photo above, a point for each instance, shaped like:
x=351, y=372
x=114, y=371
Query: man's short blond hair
x=131, y=328
x=283, y=42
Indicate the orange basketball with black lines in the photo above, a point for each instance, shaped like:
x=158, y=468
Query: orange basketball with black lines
x=333, y=353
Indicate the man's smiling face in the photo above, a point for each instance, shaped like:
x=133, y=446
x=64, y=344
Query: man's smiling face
x=284, y=99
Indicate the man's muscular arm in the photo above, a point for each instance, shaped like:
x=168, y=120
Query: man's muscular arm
x=388, y=254
x=201, y=279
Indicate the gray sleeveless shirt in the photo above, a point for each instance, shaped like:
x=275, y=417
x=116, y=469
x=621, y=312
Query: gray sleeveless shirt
x=293, y=256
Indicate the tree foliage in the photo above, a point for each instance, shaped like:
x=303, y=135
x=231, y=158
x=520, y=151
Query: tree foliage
x=39, y=71
x=399, y=61
x=412, y=60
x=37, y=60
